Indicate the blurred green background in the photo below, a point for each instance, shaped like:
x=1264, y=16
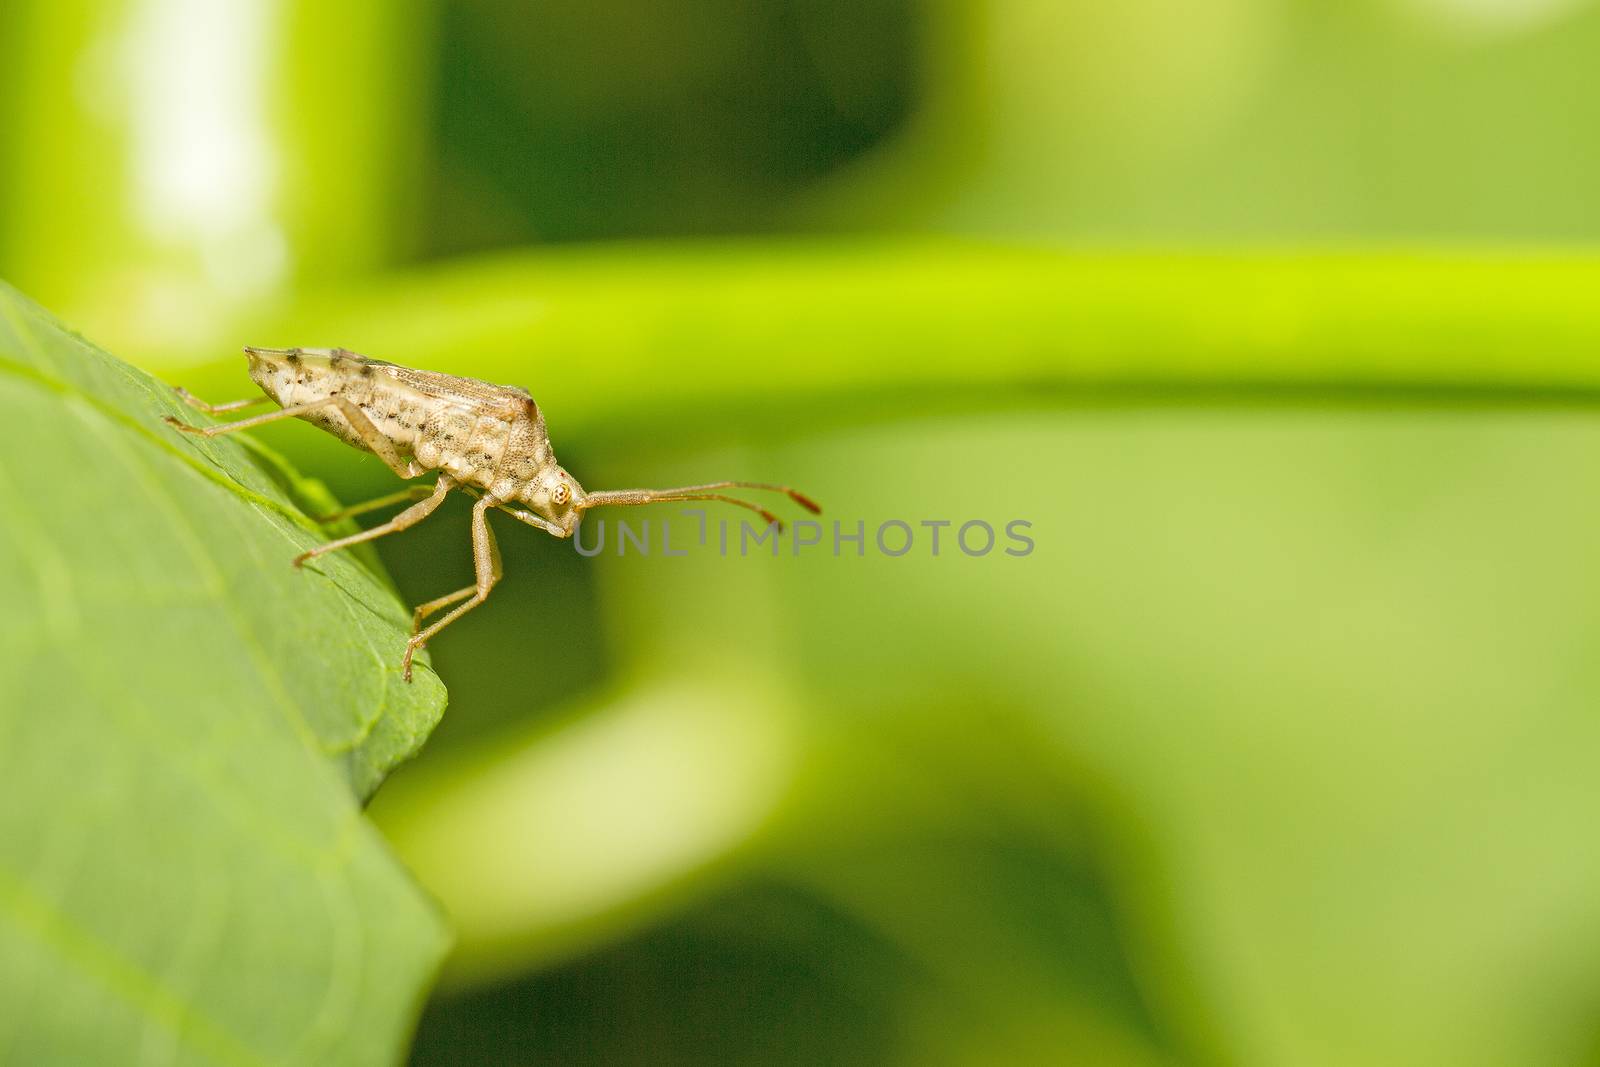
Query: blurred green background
x=1275, y=318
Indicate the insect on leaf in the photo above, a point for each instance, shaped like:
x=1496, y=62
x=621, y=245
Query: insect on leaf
x=188, y=728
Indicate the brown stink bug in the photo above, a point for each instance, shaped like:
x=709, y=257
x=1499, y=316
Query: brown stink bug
x=487, y=440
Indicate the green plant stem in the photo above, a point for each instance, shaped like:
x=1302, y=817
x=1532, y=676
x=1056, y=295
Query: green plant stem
x=642, y=336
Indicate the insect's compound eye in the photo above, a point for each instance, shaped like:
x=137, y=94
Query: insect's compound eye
x=559, y=494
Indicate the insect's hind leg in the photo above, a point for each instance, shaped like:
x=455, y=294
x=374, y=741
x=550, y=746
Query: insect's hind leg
x=485, y=562
x=218, y=409
x=242, y=424
x=370, y=436
x=407, y=518
x=374, y=439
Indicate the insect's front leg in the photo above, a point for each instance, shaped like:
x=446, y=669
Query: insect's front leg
x=531, y=519
x=485, y=562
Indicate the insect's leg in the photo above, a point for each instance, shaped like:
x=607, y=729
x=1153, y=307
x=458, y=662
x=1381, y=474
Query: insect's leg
x=409, y=517
x=438, y=603
x=374, y=439
x=217, y=409
x=370, y=436
x=485, y=562
x=410, y=492
x=533, y=520
x=246, y=424
x=424, y=610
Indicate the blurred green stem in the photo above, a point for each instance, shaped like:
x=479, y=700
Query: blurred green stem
x=633, y=338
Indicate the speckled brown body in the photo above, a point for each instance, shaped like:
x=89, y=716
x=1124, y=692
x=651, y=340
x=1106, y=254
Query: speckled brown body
x=490, y=437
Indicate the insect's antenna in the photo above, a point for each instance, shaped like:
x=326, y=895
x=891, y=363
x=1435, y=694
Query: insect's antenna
x=686, y=492
x=793, y=494
x=636, y=497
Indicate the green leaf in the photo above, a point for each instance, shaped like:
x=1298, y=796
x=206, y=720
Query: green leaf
x=188, y=727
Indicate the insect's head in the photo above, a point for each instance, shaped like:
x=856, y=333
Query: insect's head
x=556, y=495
